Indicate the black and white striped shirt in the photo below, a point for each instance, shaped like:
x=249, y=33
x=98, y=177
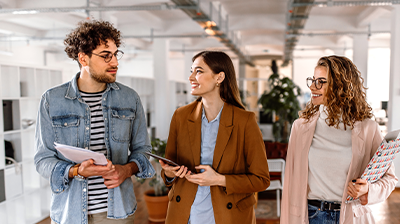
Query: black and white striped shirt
x=97, y=191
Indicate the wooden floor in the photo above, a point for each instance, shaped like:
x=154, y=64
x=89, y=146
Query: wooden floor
x=386, y=212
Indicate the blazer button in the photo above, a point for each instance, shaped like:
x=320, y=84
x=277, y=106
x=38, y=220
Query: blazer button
x=229, y=205
x=178, y=198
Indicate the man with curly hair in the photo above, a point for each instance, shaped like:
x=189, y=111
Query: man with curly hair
x=93, y=112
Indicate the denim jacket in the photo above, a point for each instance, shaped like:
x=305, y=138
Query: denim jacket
x=64, y=118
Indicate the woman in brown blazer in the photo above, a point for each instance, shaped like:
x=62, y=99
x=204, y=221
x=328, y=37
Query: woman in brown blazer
x=219, y=147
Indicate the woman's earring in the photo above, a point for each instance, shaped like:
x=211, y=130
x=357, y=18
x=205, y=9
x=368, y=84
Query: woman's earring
x=217, y=84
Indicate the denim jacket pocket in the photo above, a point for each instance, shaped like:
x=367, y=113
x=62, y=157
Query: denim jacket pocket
x=121, y=121
x=66, y=129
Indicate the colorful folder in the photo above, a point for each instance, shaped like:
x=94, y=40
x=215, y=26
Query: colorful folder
x=382, y=159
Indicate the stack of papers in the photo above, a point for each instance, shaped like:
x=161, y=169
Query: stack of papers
x=78, y=155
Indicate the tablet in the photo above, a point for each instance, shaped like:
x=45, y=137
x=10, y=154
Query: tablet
x=167, y=161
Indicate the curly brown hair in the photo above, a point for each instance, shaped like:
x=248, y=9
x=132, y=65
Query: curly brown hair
x=88, y=36
x=345, y=95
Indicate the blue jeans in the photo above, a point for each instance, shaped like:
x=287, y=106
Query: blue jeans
x=316, y=216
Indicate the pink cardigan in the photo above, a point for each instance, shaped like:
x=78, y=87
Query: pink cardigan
x=366, y=138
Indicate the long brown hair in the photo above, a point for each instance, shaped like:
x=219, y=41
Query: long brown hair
x=345, y=95
x=220, y=62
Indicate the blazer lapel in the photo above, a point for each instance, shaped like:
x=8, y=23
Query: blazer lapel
x=194, y=128
x=224, y=133
x=308, y=135
x=357, y=148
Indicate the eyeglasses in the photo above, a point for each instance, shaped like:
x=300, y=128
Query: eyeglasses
x=107, y=57
x=318, y=82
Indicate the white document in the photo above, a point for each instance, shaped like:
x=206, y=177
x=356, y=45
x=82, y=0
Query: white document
x=79, y=155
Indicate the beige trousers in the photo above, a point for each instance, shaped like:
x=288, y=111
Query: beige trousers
x=101, y=218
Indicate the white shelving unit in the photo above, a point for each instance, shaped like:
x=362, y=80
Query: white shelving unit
x=24, y=194
x=145, y=88
x=181, y=93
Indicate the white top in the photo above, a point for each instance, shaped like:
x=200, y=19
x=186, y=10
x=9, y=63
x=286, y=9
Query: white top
x=328, y=160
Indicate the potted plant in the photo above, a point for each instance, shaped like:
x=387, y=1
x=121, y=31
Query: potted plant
x=281, y=101
x=157, y=198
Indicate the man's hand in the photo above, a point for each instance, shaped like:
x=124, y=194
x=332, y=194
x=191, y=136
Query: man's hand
x=118, y=174
x=207, y=178
x=88, y=168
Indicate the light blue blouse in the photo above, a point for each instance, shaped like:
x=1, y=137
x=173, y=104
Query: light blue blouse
x=202, y=210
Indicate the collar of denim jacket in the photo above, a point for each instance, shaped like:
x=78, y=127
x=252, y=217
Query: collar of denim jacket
x=73, y=91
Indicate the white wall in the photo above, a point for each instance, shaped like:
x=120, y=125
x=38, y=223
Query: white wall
x=378, y=73
x=140, y=67
x=303, y=68
x=177, y=70
x=378, y=76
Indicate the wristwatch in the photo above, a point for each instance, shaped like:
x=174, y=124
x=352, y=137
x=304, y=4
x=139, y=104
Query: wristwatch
x=75, y=173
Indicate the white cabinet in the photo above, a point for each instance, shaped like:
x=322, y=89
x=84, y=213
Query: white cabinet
x=24, y=194
x=145, y=88
x=13, y=180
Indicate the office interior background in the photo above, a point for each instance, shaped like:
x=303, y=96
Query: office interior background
x=160, y=38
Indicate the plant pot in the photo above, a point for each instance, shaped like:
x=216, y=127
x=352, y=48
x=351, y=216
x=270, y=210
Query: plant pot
x=156, y=206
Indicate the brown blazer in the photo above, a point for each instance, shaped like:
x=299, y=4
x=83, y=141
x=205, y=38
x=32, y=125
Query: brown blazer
x=239, y=155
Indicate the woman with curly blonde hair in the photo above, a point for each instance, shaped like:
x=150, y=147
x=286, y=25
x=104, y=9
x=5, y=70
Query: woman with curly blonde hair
x=330, y=145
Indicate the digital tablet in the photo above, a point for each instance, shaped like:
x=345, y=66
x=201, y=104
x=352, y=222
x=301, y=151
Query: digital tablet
x=167, y=161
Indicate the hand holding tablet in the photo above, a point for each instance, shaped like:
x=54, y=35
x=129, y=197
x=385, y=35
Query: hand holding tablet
x=167, y=161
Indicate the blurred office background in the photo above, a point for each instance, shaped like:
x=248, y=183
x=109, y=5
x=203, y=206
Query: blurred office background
x=159, y=39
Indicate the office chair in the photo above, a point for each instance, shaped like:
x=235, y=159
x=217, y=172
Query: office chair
x=277, y=165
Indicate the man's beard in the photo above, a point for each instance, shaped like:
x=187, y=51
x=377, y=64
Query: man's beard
x=102, y=78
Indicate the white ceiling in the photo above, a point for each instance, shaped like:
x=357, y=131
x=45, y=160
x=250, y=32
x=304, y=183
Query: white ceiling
x=261, y=24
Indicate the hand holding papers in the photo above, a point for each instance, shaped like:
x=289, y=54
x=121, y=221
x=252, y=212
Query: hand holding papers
x=382, y=159
x=78, y=155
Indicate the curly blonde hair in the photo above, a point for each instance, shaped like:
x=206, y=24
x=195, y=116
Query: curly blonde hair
x=345, y=95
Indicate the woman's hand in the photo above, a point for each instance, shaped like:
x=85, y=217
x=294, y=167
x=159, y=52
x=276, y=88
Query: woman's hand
x=359, y=189
x=207, y=178
x=173, y=171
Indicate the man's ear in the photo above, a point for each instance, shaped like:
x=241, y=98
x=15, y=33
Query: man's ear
x=83, y=59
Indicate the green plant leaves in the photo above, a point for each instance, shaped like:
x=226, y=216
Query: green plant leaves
x=157, y=147
x=281, y=99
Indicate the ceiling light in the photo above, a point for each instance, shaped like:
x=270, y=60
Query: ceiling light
x=211, y=23
x=7, y=53
x=25, y=12
x=210, y=31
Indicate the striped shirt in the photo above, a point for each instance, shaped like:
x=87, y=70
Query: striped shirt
x=97, y=191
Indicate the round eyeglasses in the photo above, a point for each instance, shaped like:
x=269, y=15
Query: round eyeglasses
x=318, y=82
x=107, y=57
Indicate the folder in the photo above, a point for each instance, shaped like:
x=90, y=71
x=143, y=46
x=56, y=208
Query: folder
x=382, y=159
